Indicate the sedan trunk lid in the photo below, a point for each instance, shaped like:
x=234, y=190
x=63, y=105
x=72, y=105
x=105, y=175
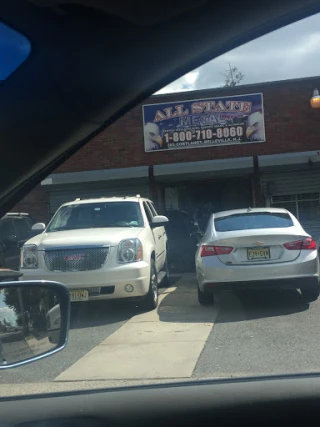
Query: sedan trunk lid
x=256, y=247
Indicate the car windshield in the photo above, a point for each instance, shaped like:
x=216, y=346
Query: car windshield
x=232, y=145
x=96, y=215
x=252, y=221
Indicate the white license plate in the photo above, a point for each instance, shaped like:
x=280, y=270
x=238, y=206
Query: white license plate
x=79, y=295
x=258, y=253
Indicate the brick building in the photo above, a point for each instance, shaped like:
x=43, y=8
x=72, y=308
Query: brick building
x=282, y=171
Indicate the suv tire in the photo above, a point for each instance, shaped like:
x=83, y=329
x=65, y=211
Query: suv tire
x=150, y=301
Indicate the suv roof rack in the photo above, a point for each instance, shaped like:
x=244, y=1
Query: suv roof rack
x=122, y=197
x=106, y=197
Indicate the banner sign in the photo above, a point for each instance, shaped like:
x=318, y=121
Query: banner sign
x=227, y=120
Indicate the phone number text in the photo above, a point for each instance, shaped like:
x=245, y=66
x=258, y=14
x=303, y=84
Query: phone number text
x=198, y=135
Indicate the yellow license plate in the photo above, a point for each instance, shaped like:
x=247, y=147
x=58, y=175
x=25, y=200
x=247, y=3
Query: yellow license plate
x=79, y=295
x=258, y=253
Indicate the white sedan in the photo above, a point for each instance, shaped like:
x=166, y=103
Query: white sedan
x=256, y=248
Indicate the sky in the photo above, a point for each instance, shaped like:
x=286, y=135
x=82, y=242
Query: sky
x=289, y=53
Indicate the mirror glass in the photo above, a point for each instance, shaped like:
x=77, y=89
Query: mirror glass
x=29, y=322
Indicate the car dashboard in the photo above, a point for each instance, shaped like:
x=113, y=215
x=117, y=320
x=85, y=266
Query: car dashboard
x=222, y=402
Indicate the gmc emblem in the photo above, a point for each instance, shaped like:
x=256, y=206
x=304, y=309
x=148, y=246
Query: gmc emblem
x=76, y=257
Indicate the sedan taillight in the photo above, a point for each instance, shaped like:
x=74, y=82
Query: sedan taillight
x=305, y=244
x=208, y=250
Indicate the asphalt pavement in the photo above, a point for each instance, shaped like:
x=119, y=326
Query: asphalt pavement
x=114, y=343
x=90, y=324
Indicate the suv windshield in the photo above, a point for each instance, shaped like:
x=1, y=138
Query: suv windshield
x=97, y=215
x=253, y=221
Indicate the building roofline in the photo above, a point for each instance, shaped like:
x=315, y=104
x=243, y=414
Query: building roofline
x=141, y=172
x=230, y=89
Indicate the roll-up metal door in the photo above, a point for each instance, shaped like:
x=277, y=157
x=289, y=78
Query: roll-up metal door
x=299, y=192
x=66, y=193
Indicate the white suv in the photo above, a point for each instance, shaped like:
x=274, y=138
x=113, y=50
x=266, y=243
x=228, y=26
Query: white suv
x=104, y=248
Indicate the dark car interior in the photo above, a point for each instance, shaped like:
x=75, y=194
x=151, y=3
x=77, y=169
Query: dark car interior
x=90, y=62
x=15, y=230
x=183, y=232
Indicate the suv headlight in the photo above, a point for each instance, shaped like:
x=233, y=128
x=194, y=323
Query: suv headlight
x=130, y=250
x=29, y=256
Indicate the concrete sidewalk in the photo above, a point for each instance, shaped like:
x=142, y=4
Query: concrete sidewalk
x=164, y=343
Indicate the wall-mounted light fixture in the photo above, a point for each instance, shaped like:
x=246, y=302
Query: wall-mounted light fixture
x=315, y=100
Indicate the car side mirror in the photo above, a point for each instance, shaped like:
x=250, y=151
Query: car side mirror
x=159, y=220
x=38, y=228
x=10, y=240
x=34, y=321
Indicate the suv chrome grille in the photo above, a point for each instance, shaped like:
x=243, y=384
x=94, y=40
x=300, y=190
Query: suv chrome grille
x=75, y=259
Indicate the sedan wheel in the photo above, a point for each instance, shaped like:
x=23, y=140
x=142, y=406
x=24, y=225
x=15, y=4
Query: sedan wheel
x=205, y=298
x=310, y=293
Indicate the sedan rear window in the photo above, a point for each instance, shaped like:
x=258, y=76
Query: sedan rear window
x=252, y=221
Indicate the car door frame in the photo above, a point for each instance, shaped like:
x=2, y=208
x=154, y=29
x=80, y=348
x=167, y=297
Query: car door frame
x=162, y=236
x=155, y=233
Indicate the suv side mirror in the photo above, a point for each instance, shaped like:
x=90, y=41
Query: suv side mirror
x=10, y=240
x=35, y=321
x=159, y=221
x=38, y=228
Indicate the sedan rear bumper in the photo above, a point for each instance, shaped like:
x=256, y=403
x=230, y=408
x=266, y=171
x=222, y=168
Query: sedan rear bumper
x=293, y=283
x=211, y=272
